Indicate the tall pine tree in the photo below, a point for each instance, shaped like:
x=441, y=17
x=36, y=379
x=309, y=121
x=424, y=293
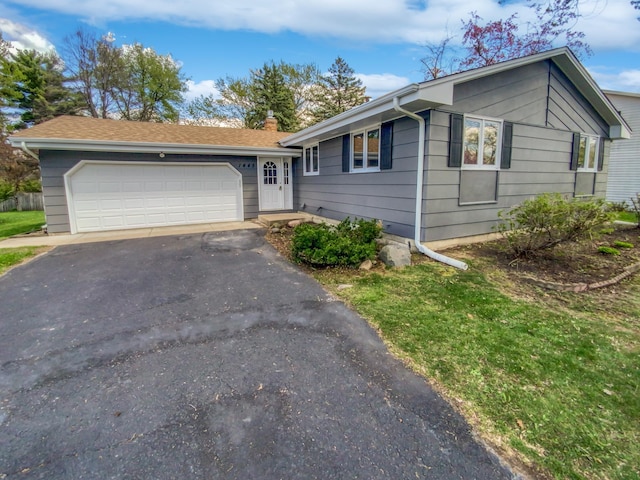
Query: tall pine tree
x=269, y=90
x=38, y=87
x=337, y=91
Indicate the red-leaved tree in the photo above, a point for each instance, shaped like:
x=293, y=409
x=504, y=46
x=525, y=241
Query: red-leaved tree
x=487, y=43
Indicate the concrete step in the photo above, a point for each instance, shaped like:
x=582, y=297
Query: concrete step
x=269, y=219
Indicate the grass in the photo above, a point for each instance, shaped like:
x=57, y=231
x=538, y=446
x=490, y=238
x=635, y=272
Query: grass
x=552, y=379
x=631, y=217
x=15, y=223
x=10, y=257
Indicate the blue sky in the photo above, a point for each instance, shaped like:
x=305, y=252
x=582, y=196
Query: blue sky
x=383, y=41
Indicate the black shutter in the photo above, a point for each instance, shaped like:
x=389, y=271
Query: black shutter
x=346, y=156
x=386, y=146
x=576, y=151
x=601, y=155
x=455, y=140
x=507, y=143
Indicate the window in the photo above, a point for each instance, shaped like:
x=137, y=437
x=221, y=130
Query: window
x=270, y=173
x=588, y=153
x=365, y=151
x=482, y=141
x=311, y=160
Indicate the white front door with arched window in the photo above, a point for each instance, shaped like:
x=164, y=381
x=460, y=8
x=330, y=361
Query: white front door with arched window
x=274, y=183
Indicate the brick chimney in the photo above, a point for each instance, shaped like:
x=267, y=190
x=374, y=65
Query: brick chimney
x=271, y=123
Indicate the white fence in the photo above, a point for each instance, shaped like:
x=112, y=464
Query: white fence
x=25, y=201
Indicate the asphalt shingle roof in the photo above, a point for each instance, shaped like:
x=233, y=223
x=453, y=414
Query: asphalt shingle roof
x=94, y=129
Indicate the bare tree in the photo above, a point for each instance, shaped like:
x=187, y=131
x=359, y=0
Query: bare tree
x=96, y=66
x=438, y=61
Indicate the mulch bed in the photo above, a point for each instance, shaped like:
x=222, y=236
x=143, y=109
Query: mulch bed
x=570, y=263
x=573, y=262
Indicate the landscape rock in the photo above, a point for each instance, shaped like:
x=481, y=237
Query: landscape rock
x=275, y=229
x=366, y=265
x=294, y=223
x=395, y=255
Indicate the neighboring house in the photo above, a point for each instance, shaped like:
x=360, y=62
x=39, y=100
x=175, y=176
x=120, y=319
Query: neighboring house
x=624, y=164
x=466, y=145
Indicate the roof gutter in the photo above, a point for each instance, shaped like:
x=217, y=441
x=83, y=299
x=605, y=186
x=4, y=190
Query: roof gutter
x=419, y=181
x=25, y=149
x=148, y=147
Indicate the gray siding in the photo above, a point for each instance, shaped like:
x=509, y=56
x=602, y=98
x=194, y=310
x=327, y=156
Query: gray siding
x=540, y=163
x=388, y=195
x=624, y=170
x=545, y=108
x=54, y=164
x=569, y=110
x=518, y=95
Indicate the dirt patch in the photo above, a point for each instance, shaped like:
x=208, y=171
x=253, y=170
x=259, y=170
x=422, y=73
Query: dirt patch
x=572, y=262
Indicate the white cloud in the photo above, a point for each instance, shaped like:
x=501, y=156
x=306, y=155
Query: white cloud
x=22, y=37
x=607, y=23
x=610, y=25
x=382, y=21
x=624, y=81
x=380, y=83
x=204, y=87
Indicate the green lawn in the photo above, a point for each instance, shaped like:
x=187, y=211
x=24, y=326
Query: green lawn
x=627, y=217
x=14, y=223
x=13, y=256
x=551, y=377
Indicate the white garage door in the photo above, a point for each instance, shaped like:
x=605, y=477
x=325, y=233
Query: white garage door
x=118, y=195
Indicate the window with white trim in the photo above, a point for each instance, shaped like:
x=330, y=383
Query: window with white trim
x=588, y=153
x=311, y=159
x=365, y=150
x=482, y=141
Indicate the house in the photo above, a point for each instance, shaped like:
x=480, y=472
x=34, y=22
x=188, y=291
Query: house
x=433, y=161
x=492, y=137
x=110, y=174
x=623, y=180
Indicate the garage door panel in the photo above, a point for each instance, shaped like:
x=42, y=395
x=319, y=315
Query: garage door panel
x=175, y=202
x=132, y=187
x=111, y=204
x=107, y=196
x=130, y=203
x=154, y=187
x=113, y=221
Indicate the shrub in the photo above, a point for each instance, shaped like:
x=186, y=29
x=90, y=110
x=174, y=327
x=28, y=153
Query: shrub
x=608, y=250
x=6, y=191
x=549, y=219
x=32, y=186
x=347, y=244
x=617, y=207
x=621, y=244
x=635, y=204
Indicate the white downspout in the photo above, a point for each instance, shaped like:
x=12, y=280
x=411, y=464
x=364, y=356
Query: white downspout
x=420, y=178
x=28, y=152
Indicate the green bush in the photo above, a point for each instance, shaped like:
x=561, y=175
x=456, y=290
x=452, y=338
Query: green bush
x=617, y=207
x=549, y=219
x=608, y=250
x=621, y=244
x=347, y=244
x=31, y=186
x=6, y=191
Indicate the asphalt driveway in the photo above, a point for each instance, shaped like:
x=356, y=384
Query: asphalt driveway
x=207, y=356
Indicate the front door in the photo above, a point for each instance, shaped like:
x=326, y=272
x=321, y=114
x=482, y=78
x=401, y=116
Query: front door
x=274, y=183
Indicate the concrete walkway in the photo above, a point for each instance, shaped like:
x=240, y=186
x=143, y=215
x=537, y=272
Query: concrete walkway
x=78, y=238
